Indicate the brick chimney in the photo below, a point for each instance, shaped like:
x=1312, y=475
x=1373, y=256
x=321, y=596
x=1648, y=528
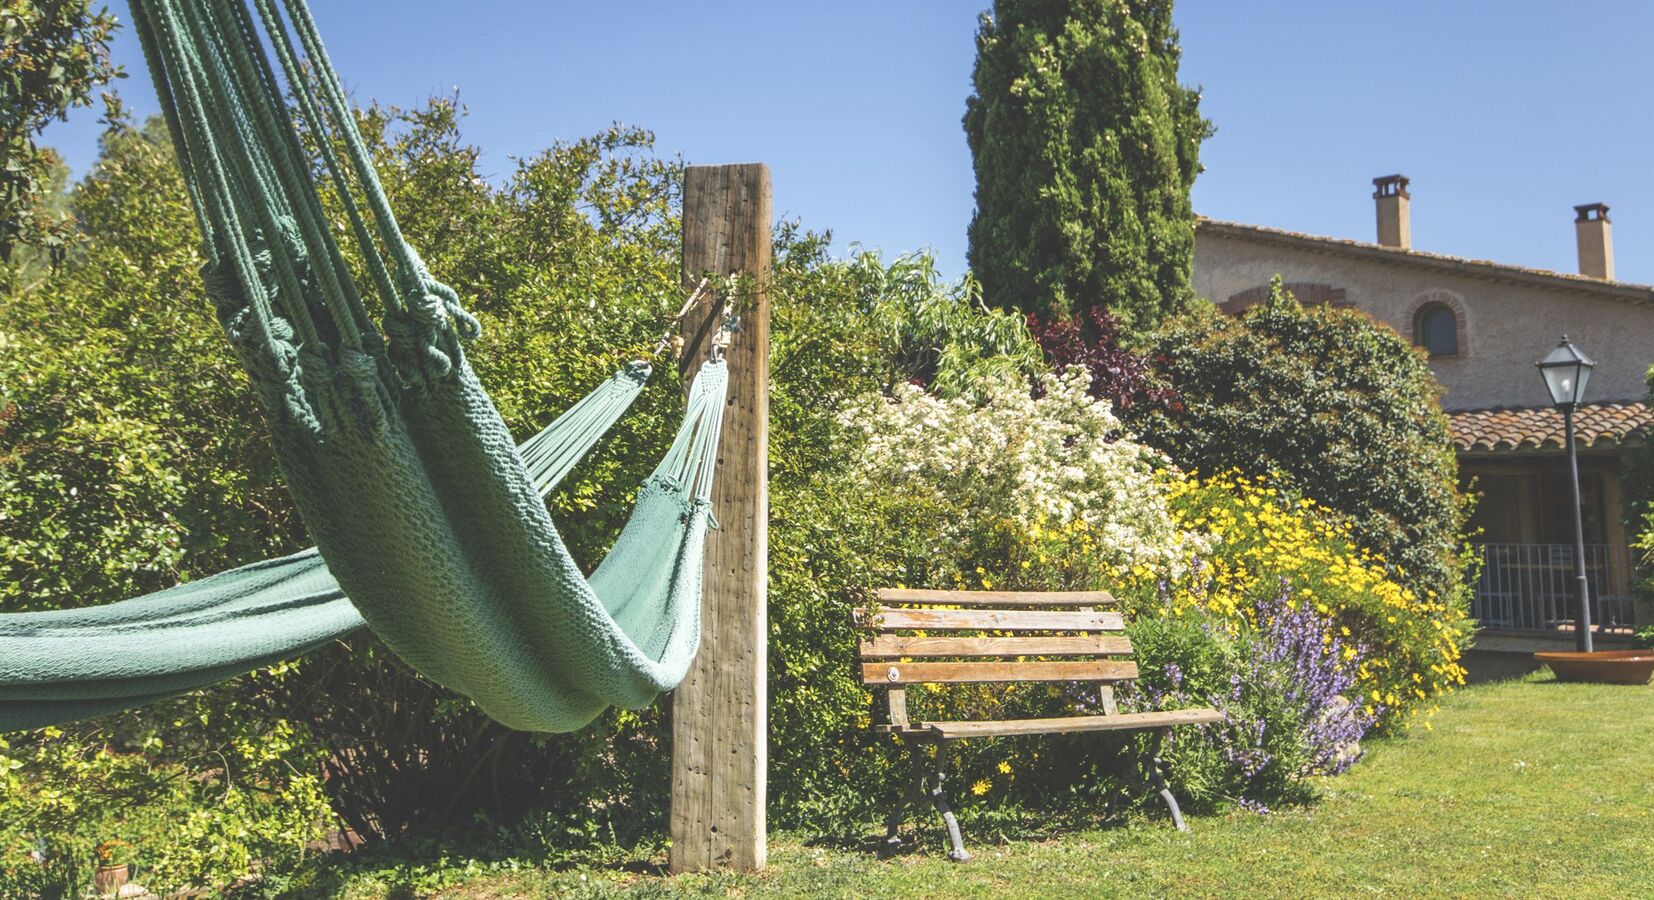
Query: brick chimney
x=1395, y=228
x=1596, y=241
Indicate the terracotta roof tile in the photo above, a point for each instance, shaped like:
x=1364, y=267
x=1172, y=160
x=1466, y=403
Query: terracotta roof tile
x=1506, y=429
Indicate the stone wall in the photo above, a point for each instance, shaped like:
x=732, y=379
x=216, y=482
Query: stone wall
x=1505, y=325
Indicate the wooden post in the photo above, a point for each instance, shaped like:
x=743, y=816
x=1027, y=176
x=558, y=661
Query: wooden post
x=720, y=751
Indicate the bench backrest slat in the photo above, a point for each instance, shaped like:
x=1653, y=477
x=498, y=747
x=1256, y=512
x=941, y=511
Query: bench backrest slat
x=893, y=646
x=888, y=618
x=919, y=637
x=898, y=673
x=918, y=597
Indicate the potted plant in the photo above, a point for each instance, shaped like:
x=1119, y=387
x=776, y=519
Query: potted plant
x=114, y=867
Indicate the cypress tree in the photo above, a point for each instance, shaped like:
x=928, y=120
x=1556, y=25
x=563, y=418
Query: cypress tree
x=1085, y=147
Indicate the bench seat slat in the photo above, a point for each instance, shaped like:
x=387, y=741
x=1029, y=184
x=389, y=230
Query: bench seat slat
x=899, y=673
x=997, y=598
x=1070, y=724
x=887, y=619
x=891, y=646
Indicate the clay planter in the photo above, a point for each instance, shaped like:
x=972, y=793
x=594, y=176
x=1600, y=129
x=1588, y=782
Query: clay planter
x=108, y=880
x=1602, y=666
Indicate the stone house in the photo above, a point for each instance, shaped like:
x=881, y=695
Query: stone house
x=1483, y=325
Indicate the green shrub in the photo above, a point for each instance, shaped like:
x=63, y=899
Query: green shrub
x=200, y=807
x=846, y=332
x=1638, y=485
x=1338, y=407
x=131, y=457
x=131, y=453
x=55, y=56
x=1263, y=542
x=1282, y=680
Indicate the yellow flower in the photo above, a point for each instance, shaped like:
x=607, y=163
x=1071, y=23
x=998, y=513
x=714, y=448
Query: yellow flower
x=981, y=787
x=1004, y=767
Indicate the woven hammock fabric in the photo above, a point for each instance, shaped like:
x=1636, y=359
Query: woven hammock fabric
x=64, y=665
x=403, y=472
x=60, y=666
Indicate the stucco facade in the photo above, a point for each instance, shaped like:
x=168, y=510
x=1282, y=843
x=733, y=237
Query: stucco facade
x=1508, y=316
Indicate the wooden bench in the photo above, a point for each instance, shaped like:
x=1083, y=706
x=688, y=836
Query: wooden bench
x=913, y=638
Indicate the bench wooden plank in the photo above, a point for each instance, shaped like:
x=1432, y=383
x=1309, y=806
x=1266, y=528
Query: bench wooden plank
x=888, y=619
x=996, y=598
x=891, y=646
x=1070, y=724
x=980, y=672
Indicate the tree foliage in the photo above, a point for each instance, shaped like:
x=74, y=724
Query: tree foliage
x=53, y=55
x=1340, y=408
x=131, y=453
x=1085, y=147
x=1122, y=377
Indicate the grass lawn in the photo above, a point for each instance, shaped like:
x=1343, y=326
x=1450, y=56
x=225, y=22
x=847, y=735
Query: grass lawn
x=1525, y=788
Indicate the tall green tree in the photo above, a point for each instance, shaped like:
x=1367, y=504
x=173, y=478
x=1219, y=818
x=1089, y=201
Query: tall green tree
x=53, y=55
x=1085, y=147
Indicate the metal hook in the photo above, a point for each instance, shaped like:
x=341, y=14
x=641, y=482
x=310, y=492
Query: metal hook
x=725, y=334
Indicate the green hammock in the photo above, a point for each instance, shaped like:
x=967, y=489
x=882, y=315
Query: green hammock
x=429, y=518
x=73, y=664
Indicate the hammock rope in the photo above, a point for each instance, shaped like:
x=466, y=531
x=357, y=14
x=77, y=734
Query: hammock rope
x=430, y=523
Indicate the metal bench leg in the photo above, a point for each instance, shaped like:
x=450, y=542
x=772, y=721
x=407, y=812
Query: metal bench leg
x=915, y=794
x=944, y=750
x=1159, y=779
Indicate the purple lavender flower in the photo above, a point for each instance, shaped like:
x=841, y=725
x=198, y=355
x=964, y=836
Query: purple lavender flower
x=1253, y=806
x=1300, y=653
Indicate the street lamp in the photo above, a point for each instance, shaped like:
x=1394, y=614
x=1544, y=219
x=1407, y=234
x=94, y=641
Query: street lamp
x=1566, y=370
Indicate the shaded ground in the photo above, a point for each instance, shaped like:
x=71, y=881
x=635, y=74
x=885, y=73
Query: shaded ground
x=1526, y=788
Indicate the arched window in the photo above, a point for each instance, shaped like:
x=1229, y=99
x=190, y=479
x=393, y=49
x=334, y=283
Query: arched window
x=1436, y=329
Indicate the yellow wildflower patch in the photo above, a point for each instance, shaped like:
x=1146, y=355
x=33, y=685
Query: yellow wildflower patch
x=1263, y=543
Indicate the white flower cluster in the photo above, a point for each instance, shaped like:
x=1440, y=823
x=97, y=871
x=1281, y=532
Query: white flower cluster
x=1059, y=461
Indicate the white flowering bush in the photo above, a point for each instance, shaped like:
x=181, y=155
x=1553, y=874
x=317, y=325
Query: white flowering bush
x=1049, y=478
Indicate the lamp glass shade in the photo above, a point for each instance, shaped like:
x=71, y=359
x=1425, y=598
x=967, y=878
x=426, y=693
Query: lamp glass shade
x=1566, y=372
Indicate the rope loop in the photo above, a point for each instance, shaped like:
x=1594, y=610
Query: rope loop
x=343, y=388
x=425, y=334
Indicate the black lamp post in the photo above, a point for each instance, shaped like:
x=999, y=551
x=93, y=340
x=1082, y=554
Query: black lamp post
x=1566, y=370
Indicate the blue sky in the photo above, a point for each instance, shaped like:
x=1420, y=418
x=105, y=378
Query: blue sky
x=1504, y=114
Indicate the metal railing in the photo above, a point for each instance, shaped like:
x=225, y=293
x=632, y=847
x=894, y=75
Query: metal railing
x=1530, y=587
